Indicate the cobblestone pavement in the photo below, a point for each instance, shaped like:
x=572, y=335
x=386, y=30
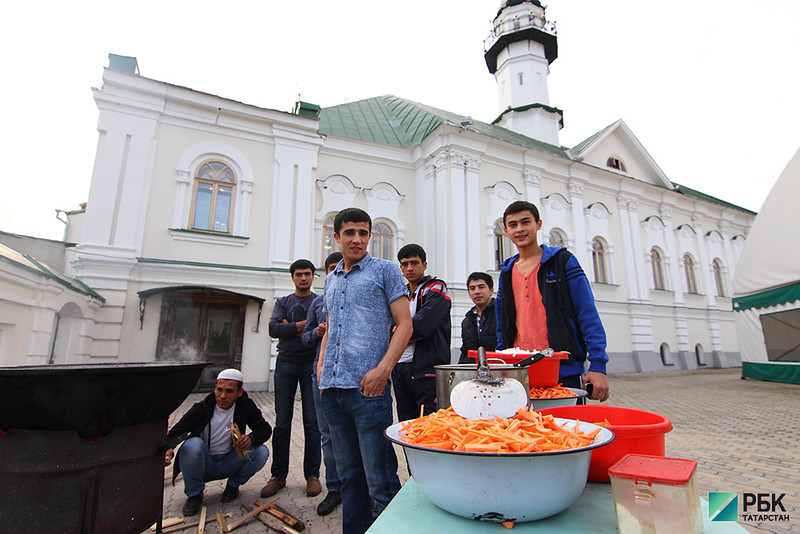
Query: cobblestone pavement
x=742, y=433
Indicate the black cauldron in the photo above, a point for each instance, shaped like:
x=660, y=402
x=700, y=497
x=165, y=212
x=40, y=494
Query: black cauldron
x=82, y=446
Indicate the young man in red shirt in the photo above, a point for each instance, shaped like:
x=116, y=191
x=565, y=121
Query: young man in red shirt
x=545, y=300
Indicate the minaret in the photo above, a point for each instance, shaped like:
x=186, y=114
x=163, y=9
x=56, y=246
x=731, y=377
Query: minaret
x=519, y=52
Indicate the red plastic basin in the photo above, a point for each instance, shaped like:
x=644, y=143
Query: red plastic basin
x=542, y=374
x=635, y=432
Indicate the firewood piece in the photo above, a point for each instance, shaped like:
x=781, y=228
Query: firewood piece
x=168, y=522
x=250, y=515
x=221, y=523
x=285, y=516
x=184, y=526
x=272, y=522
x=201, y=526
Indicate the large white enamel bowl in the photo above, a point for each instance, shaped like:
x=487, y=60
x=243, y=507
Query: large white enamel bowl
x=502, y=486
x=541, y=404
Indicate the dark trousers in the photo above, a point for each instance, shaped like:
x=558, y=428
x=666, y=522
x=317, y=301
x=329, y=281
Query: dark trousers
x=288, y=375
x=412, y=393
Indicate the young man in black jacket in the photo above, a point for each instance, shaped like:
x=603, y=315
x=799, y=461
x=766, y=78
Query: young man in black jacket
x=479, y=327
x=210, y=452
x=414, y=376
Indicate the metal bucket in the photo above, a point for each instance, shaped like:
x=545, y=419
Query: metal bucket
x=447, y=376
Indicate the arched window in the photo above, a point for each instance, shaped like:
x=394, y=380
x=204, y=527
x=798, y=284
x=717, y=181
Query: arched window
x=382, y=242
x=719, y=277
x=556, y=238
x=616, y=163
x=214, y=188
x=666, y=354
x=599, y=261
x=699, y=353
x=329, y=244
x=503, y=248
x=691, y=279
x=658, y=268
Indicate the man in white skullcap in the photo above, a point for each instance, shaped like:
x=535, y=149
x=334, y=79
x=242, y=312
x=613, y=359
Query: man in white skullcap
x=214, y=449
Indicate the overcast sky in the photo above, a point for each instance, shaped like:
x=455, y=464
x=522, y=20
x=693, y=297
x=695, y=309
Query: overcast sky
x=710, y=88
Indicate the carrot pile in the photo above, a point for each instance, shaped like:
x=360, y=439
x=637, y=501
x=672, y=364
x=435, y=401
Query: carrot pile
x=554, y=392
x=527, y=431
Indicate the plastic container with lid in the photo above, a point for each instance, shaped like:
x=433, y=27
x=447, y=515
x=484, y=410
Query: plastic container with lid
x=654, y=494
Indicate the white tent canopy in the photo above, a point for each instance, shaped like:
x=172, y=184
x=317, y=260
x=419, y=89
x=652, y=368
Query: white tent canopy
x=767, y=286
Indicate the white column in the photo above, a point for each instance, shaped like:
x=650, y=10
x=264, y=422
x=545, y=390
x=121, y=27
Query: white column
x=705, y=263
x=291, y=224
x=182, y=198
x=672, y=251
x=532, y=180
x=441, y=229
x=579, y=223
x=730, y=258
x=457, y=270
x=473, y=220
x=631, y=272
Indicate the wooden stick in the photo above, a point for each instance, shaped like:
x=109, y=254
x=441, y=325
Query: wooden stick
x=272, y=522
x=184, y=526
x=284, y=516
x=221, y=523
x=169, y=522
x=201, y=526
x=250, y=515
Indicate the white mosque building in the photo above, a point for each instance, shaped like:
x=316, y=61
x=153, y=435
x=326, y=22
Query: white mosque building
x=198, y=205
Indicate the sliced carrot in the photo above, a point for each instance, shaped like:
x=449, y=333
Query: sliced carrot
x=508, y=524
x=554, y=392
x=527, y=431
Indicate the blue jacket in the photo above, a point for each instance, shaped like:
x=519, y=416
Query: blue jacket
x=573, y=323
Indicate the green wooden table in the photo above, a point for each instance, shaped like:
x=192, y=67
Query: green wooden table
x=410, y=512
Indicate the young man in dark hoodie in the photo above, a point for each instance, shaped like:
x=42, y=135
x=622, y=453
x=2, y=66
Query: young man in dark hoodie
x=479, y=327
x=414, y=376
x=295, y=365
x=210, y=452
x=545, y=300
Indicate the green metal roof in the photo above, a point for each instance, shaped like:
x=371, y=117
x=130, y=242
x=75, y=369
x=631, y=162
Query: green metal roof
x=693, y=193
x=392, y=120
x=42, y=269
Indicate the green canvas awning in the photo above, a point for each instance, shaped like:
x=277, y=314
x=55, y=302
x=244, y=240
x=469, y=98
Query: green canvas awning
x=770, y=297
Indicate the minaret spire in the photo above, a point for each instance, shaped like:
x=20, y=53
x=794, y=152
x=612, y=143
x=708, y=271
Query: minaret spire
x=518, y=52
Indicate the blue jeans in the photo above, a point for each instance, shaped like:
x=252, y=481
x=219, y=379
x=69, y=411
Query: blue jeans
x=332, y=481
x=365, y=459
x=199, y=466
x=287, y=375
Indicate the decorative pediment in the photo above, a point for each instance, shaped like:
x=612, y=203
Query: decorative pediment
x=555, y=202
x=598, y=210
x=384, y=192
x=616, y=149
x=686, y=230
x=338, y=184
x=654, y=223
x=338, y=193
x=715, y=237
x=503, y=191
